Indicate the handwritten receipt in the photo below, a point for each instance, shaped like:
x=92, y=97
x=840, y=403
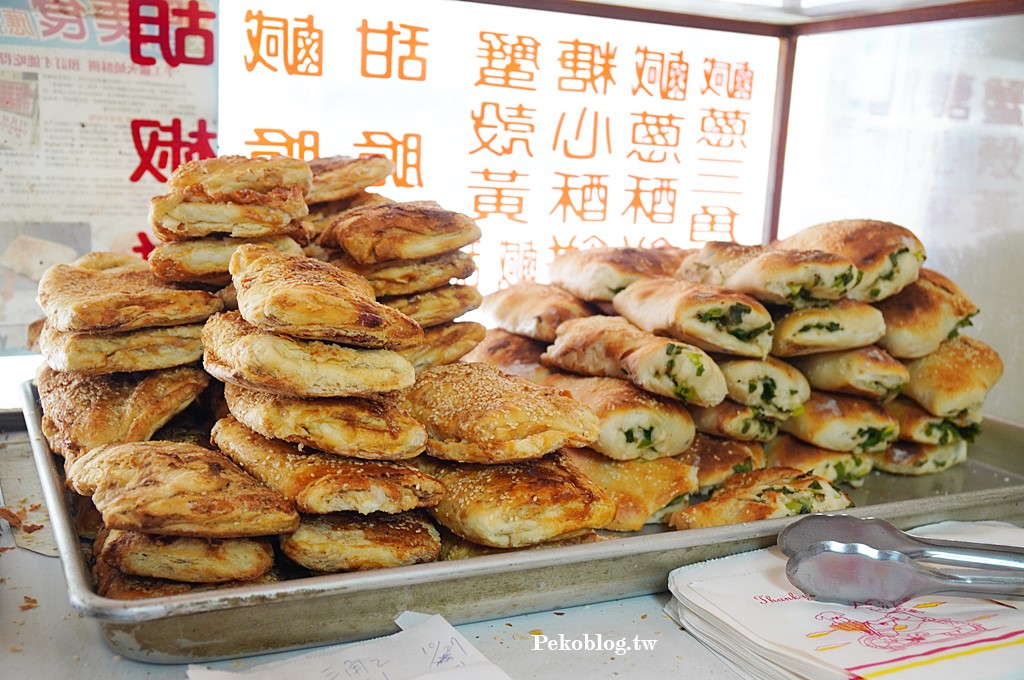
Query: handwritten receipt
x=427, y=647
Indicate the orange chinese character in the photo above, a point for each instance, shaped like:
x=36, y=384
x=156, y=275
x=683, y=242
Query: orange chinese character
x=660, y=133
x=594, y=129
x=586, y=196
x=736, y=81
x=558, y=249
x=518, y=263
x=277, y=142
x=64, y=19
x=499, y=133
x=404, y=153
x=713, y=223
x=410, y=66
x=723, y=128
x=668, y=76
x=655, y=197
x=587, y=65
x=501, y=200
x=18, y=23
x=299, y=51
x=508, y=63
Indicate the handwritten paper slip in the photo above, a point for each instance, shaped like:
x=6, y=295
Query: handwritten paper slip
x=427, y=647
x=745, y=609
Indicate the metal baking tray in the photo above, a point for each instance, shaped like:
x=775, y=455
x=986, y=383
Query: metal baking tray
x=321, y=610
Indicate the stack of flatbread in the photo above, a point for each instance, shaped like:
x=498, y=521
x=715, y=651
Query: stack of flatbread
x=410, y=253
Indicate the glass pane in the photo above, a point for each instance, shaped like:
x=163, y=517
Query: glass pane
x=922, y=126
x=554, y=131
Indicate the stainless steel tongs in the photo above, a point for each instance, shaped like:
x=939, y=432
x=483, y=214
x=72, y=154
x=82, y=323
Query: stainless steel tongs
x=849, y=560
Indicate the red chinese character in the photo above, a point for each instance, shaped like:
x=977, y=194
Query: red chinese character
x=508, y=63
x=499, y=133
x=145, y=246
x=497, y=199
x=277, y=142
x=655, y=197
x=404, y=153
x=410, y=65
x=586, y=196
x=587, y=65
x=149, y=23
x=64, y=19
x=589, y=149
x=162, y=148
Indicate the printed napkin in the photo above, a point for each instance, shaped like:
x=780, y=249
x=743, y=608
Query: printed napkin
x=745, y=609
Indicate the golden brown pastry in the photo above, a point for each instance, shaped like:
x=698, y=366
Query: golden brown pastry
x=773, y=386
x=713, y=263
x=924, y=314
x=444, y=344
x=179, y=490
x=718, y=458
x=534, y=310
x=863, y=372
x=406, y=277
x=600, y=273
x=304, y=298
x=435, y=307
x=639, y=488
x=319, y=483
x=82, y=299
x=399, y=231
x=81, y=412
x=205, y=260
x=179, y=216
x=514, y=354
x=231, y=176
x=374, y=429
x=734, y=420
x=634, y=423
x=798, y=278
x=838, y=467
x=711, y=318
x=337, y=177
x=145, y=349
x=237, y=352
x=889, y=255
x=919, y=426
x=475, y=413
x=346, y=541
x=956, y=378
x=843, y=423
x=612, y=347
x=846, y=324
x=762, y=494
x=518, y=504
x=111, y=262
x=455, y=547
x=185, y=558
x=322, y=214
x=913, y=458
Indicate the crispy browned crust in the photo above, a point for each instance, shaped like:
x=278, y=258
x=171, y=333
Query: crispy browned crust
x=513, y=354
x=445, y=344
x=322, y=214
x=83, y=299
x=405, y=277
x=144, y=349
x=533, y=309
x=718, y=458
x=716, y=261
x=867, y=243
x=598, y=273
x=83, y=411
x=762, y=494
x=345, y=541
x=205, y=260
x=916, y=459
x=435, y=307
x=399, y=231
x=921, y=316
x=221, y=177
x=805, y=331
x=843, y=423
x=305, y=298
x=475, y=413
x=184, y=558
x=107, y=261
x=955, y=378
x=235, y=351
x=864, y=372
x=319, y=482
x=243, y=214
x=338, y=177
x=179, y=490
x=639, y=488
x=518, y=504
x=374, y=429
